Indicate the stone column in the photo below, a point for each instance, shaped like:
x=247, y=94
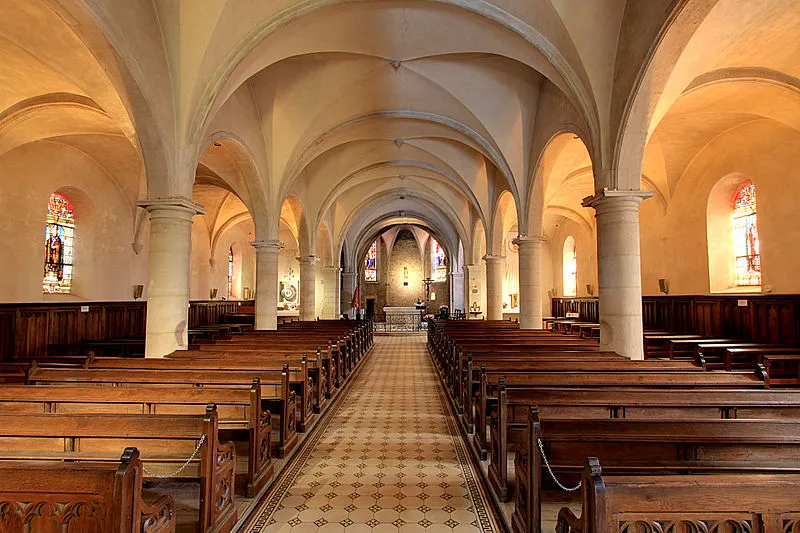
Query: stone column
x=619, y=270
x=267, y=283
x=330, y=279
x=308, y=289
x=495, y=269
x=530, y=281
x=167, y=327
x=457, y=291
x=348, y=290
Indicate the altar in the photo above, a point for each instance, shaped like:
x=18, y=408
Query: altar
x=403, y=318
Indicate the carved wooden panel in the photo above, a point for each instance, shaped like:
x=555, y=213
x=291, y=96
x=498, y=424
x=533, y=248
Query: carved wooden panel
x=60, y=513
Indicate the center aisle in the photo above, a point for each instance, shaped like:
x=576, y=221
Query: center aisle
x=389, y=459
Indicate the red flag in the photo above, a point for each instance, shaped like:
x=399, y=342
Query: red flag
x=354, y=303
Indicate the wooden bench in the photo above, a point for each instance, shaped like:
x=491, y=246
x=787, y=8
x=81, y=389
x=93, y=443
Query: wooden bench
x=81, y=497
x=780, y=369
x=475, y=367
x=511, y=418
x=646, y=447
x=624, y=503
x=276, y=395
x=491, y=383
x=240, y=413
x=308, y=380
x=165, y=444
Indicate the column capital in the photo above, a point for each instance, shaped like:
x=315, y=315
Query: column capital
x=178, y=207
x=349, y=273
x=269, y=245
x=523, y=240
x=616, y=200
x=308, y=260
x=494, y=258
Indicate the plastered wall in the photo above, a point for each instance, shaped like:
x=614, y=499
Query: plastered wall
x=210, y=274
x=105, y=267
x=674, y=238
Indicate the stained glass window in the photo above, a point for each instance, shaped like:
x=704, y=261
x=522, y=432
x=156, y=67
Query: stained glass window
x=59, y=241
x=745, y=237
x=371, y=263
x=438, y=262
x=230, y=273
x=570, y=267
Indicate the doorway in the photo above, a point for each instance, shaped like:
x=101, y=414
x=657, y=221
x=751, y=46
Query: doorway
x=370, y=307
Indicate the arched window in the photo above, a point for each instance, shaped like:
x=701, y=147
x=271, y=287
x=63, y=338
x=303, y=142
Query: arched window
x=230, y=272
x=59, y=240
x=371, y=263
x=745, y=237
x=438, y=261
x=570, y=267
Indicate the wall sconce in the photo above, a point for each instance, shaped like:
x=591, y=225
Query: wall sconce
x=212, y=293
x=663, y=285
x=137, y=291
x=405, y=276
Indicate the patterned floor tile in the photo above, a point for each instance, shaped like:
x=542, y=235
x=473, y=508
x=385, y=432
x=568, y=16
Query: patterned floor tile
x=389, y=458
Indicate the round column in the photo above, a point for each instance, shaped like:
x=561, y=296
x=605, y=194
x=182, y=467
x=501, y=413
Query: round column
x=457, y=291
x=495, y=269
x=330, y=280
x=619, y=270
x=348, y=290
x=530, y=281
x=267, y=283
x=308, y=287
x=167, y=327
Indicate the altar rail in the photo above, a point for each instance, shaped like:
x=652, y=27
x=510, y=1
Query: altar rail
x=764, y=318
x=29, y=330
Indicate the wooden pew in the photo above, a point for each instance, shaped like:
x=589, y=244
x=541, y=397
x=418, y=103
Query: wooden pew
x=780, y=369
x=657, y=344
x=743, y=502
x=241, y=416
x=275, y=392
x=165, y=444
x=612, y=403
x=321, y=370
x=309, y=381
x=647, y=447
x=81, y=497
x=492, y=383
x=475, y=366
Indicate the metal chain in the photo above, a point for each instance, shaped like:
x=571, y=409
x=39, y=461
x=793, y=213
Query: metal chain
x=552, y=474
x=181, y=469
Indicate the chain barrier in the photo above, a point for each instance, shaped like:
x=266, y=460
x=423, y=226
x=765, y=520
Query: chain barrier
x=181, y=469
x=552, y=474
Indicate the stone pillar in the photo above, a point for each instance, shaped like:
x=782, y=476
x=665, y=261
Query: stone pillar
x=330, y=280
x=495, y=269
x=530, y=281
x=267, y=283
x=619, y=270
x=349, y=280
x=167, y=327
x=457, y=291
x=308, y=287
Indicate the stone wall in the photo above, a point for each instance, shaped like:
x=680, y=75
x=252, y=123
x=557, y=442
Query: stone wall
x=390, y=289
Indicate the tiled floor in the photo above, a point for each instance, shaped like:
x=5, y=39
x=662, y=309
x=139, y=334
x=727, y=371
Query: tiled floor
x=388, y=460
